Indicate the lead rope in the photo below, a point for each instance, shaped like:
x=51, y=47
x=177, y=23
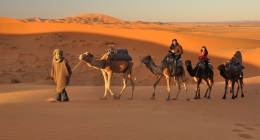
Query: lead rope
x=76, y=65
x=138, y=70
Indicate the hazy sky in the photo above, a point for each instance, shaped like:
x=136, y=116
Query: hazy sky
x=133, y=10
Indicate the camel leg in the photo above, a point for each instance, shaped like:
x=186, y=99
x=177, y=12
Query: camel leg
x=154, y=86
x=124, y=85
x=241, y=86
x=210, y=84
x=230, y=86
x=226, y=86
x=233, y=84
x=197, y=95
x=109, y=76
x=184, y=84
x=205, y=95
x=132, y=83
x=168, y=80
x=105, y=80
x=237, y=88
x=208, y=89
x=178, y=86
x=186, y=89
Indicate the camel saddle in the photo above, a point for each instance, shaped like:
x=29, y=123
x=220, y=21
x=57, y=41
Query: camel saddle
x=169, y=60
x=118, y=54
x=229, y=65
x=203, y=66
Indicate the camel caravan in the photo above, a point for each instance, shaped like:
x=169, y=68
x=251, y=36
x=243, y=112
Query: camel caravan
x=119, y=61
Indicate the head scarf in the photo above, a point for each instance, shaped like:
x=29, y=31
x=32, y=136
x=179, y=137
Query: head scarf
x=237, y=58
x=61, y=55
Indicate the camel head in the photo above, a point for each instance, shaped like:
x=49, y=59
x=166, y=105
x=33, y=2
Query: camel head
x=146, y=59
x=188, y=63
x=86, y=57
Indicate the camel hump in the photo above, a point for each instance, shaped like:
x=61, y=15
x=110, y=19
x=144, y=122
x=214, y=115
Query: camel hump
x=119, y=54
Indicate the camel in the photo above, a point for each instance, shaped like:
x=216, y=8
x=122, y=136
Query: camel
x=108, y=68
x=163, y=70
x=232, y=76
x=200, y=75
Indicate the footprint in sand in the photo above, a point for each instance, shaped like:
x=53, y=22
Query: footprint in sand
x=241, y=132
x=245, y=136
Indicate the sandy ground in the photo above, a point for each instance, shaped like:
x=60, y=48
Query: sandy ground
x=26, y=54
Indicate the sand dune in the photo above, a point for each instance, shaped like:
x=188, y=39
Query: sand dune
x=25, y=58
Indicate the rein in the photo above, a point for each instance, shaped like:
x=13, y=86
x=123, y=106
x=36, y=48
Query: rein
x=76, y=65
x=138, y=70
x=197, y=70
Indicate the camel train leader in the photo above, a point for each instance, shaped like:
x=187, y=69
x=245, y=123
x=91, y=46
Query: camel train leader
x=176, y=51
x=61, y=73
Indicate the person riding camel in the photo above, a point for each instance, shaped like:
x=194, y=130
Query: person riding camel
x=203, y=57
x=237, y=60
x=60, y=72
x=176, y=51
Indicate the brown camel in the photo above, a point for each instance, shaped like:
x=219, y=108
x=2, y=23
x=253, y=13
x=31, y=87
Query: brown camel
x=108, y=68
x=163, y=70
x=200, y=74
x=231, y=75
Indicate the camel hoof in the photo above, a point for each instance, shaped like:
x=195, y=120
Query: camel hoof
x=116, y=98
x=208, y=97
x=242, y=95
x=233, y=98
x=167, y=99
x=130, y=98
x=188, y=99
x=195, y=98
x=152, y=98
x=174, y=99
x=103, y=98
x=224, y=98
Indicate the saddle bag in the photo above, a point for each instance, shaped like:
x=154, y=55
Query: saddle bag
x=119, y=54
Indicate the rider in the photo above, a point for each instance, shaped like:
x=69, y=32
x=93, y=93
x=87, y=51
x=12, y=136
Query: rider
x=176, y=51
x=203, y=58
x=237, y=60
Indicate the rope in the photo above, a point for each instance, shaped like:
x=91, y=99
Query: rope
x=76, y=65
x=197, y=70
x=138, y=70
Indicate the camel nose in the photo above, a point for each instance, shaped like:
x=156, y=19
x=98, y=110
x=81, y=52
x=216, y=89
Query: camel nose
x=80, y=57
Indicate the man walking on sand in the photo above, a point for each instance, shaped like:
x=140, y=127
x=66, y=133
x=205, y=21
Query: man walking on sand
x=61, y=73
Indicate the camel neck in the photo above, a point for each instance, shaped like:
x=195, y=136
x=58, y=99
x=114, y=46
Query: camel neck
x=155, y=69
x=96, y=63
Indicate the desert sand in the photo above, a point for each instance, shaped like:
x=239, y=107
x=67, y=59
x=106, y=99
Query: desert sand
x=26, y=47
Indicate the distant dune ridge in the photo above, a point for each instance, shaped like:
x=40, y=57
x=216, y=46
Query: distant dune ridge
x=82, y=18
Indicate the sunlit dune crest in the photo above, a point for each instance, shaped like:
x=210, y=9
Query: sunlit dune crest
x=8, y=20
